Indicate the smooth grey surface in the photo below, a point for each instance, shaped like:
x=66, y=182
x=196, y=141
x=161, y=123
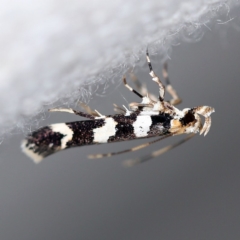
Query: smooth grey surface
x=191, y=192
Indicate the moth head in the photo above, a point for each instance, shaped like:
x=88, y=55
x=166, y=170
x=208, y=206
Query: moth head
x=206, y=112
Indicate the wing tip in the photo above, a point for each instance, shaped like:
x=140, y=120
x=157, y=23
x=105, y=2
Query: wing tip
x=28, y=149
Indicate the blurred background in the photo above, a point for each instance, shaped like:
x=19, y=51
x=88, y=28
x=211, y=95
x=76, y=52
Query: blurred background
x=191, y=192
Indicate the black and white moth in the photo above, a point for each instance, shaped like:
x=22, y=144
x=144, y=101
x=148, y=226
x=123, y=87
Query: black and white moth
x=150, y=118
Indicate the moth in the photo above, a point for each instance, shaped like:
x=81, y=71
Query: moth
x=152, y=117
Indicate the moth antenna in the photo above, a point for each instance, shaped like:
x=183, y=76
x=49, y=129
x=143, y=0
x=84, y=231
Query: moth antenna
x=118, y=109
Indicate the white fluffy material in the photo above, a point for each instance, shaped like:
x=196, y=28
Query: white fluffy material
x=66, y=49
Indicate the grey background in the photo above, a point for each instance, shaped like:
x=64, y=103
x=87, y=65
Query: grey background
x=191, y=192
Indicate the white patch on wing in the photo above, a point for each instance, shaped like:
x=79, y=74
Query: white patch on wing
x=34, y=156
x=148, y=113
x=142, y=126
x=102, y=134
x=64, y=130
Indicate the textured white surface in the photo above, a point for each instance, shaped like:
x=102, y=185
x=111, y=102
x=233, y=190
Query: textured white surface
x=67, y=50
x=142, y=126
x=102, y=134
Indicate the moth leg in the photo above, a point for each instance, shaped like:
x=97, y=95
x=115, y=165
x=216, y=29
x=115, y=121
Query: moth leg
x=88, y=110
x=94, y=156
x=118, y=109
x=99, y=114
x=131, y=89
x=94, y=113
x=146, y=101
x=175, y=98
x=156, y=79
x=70, y=110
x=121, y=110
x=142, y=87
x=132, y=162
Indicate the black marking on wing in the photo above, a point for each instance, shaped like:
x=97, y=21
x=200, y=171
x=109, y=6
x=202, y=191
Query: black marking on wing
x=44, y=141
x=83, y=132
x=160, y=124
x=125, y=130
